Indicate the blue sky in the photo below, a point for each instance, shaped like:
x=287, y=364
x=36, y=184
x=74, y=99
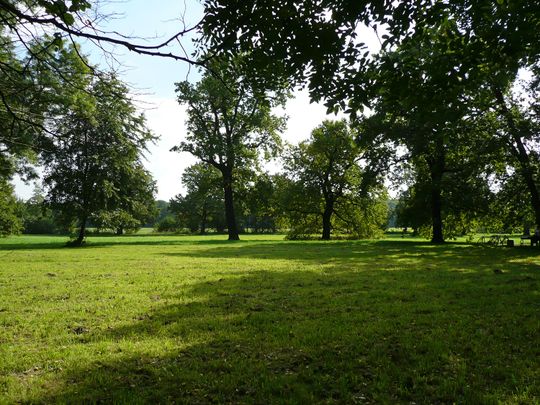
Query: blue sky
x=152, y=24
x=152, y=81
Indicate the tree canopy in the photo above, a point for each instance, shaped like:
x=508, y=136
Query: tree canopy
x=326, y=182
x=319, y=40
x=96, y=165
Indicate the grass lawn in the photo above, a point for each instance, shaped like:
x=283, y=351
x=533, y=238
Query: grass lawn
x=197, y=319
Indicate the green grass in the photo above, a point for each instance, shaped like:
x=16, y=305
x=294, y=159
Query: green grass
x=197, y=319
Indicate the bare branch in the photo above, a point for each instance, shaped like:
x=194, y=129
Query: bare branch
x=101, y=37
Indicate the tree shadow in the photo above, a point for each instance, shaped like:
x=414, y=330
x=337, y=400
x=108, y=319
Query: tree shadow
x=355, y=335
x=32, y=246
x=255, y=245
x=106, y=241
x=366, y=254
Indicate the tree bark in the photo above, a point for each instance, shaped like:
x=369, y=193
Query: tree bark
x=520, y=153
x=203, y=219
x=436, y=216
x=327, y=219
x=436, y=168
x=82, y=232
x=230, y=216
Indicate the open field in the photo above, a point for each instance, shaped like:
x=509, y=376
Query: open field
x=198, y=319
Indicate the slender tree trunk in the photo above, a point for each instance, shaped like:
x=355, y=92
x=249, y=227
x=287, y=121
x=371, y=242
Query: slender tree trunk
x=120, y=231
x=533, y=191
x=327, y=219
x=520, y=153
x=82, y=232
x=436, y=216
x=203, y=219
x=230, y=216
x=436, y=168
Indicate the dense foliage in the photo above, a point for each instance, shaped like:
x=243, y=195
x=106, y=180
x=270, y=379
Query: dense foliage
x=326, y=189
x=10, y=221
x=448, y=116
x=94, y=169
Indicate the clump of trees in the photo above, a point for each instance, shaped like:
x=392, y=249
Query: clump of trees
x=326, y=188
x=447, y=117
x=321, y=188
x=202, y=205
x=200, y=208
x=10, y=221
x=90, y=143
x=37, y=218
x=441, y=90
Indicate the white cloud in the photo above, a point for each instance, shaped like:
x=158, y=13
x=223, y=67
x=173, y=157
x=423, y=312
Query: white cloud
x=304, y=117
x=23, y=190
x=166, y=118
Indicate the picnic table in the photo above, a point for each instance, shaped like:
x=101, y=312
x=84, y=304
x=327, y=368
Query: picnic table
x=498, y=240
x=506, y=240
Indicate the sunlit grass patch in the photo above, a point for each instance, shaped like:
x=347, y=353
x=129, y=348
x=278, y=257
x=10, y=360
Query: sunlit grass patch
x=198, y=319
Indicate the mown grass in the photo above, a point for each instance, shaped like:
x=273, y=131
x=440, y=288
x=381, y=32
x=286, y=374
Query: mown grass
x=139, y=319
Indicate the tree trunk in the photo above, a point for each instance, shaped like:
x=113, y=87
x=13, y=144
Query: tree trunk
x=327, y=219
x=520, y=153
x=230, y=216
x=120, y=231
x=436, y=217
x=82, y=231
x=204, y=214
x=533, y=191
x=436, y=168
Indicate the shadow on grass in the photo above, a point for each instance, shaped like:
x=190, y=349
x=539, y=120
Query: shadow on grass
x=259, y=246
x=347, y=335
x=105, y=241
x=382, y=254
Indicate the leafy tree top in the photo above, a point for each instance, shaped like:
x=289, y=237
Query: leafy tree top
x=229, y=123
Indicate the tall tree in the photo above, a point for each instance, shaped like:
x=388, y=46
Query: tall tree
x=426, y=105
x=519, y=134
x=95, y=164
x=229, y=125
